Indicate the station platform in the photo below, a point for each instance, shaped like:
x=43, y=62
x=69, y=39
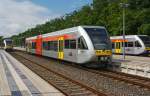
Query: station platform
x=136, y=65
x=17, y=80
x=20, y=48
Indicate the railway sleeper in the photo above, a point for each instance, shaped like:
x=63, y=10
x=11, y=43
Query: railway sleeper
x=85, y=93
x=82, y=92
x=74, y=87
x=62, y=83
x=80, y=89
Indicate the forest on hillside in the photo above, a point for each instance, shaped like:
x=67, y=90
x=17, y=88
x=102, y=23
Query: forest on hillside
x=106, y=13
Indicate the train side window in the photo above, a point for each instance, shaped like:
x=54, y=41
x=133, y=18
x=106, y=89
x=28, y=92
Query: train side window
x=119, y=45
x=51, y=45
x=72, y=44
x=113, y=45
x=45, y=45
x=82, y=44
x=67, y=44
x=126, y=44
x=116, y=44
x=55, y=45
x=130, y=44
x=30, y=45
x=33, y=45
x=137, y=44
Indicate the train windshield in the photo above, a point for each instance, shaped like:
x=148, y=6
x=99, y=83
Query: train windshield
x=146, y=40
x=99, y=38
x=9, y=41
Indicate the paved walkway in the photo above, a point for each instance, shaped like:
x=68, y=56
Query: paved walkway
x=18, y=80
x=137, y=65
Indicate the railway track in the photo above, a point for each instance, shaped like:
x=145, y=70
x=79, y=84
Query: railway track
x=142, y=82
x=140, y=85
x=131, y=79
x=66, y=85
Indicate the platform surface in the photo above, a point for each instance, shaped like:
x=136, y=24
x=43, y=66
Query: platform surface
x=18, y=80
x=20, y=48
x=137, y=65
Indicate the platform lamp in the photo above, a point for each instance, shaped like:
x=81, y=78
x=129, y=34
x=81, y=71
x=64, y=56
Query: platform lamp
x=124, y=6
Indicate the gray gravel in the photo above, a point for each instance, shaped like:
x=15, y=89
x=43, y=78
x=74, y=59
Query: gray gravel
x=93, y=80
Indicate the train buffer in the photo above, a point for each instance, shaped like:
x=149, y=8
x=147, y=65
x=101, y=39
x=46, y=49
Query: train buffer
x=18, y=80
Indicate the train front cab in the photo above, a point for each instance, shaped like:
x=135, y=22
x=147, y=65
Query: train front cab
x=99, y=45
x=133, y=46
x=146, y=44
x=8, y=45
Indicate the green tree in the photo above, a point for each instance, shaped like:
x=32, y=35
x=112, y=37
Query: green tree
x=106, y=13
x=144, y=29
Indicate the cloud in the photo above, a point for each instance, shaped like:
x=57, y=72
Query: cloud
x=18, y=15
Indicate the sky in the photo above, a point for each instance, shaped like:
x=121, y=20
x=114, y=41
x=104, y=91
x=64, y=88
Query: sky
x=17, y=16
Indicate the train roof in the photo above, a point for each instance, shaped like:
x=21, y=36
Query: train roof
x=63, y=31
x=9, y=39
x=127, y=36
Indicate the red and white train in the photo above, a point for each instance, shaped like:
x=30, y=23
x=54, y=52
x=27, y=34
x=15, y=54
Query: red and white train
x=81, y=44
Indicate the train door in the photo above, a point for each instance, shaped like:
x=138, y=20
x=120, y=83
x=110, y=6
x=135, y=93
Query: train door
x=61, y=48
x=130, y=49
x=118, y=47
x=39, y=45
x=28, y=46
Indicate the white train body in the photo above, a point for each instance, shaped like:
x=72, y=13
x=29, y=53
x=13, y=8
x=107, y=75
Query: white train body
x=134, y=44
x=8, y=44
x=80, y=44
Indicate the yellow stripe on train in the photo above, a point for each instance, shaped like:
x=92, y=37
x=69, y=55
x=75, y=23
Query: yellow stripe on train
x=103, y=52
x=147, y=48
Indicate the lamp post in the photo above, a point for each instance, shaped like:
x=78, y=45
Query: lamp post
x=124, y=6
